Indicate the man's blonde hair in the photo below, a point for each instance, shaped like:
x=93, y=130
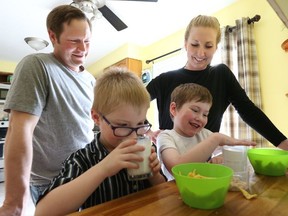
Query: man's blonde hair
x=117, y=86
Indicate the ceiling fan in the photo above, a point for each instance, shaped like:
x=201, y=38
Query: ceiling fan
x=99, y=8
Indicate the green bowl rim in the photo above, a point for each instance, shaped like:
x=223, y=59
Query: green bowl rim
x=209, y=164
x=255, y=151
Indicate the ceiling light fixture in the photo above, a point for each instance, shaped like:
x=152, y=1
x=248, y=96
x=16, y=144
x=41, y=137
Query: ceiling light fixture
x=36, y=43
x=90, y=6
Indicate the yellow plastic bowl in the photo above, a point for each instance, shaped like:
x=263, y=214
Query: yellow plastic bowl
x=268, y=161
x=204, y=193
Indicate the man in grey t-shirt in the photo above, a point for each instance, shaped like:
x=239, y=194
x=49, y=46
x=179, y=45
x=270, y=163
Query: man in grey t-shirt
x=50, y=103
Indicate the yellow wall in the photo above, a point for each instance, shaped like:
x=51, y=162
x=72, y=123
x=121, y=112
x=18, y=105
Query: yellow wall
x=127, y=50
x=161, y=47
x=6, y=66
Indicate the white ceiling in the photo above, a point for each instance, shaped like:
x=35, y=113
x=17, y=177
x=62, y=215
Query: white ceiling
x=147, y=22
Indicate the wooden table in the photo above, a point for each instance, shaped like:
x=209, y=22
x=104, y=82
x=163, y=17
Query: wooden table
x=164, y=199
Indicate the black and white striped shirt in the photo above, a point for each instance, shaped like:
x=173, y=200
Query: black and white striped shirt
x=111, y=188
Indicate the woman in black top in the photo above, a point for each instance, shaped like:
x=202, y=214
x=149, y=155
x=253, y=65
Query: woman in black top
x=201, y=38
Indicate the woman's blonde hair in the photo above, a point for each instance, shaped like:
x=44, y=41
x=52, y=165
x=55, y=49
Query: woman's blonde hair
x=117, y=86
x=204, y=21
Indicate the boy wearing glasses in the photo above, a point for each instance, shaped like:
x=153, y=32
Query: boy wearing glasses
x=97, y=173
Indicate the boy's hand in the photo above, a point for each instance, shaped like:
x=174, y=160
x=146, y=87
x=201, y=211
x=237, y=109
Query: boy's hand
x=226, y=140
x=155, y=165
x=123, y=156
x=217, y=160
x=154, y=162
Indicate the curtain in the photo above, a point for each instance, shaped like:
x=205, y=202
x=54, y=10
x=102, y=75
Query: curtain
x=238, y=52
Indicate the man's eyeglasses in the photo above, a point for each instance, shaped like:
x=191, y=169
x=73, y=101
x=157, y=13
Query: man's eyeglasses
x=123, y=131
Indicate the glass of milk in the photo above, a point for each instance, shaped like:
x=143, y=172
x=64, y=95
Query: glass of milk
x=144, y=170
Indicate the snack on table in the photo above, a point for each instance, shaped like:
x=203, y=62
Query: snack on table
x=247, y=195
x=195, y=175
x=237, y=183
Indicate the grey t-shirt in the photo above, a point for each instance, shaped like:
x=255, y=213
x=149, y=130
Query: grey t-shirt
x=63, y=99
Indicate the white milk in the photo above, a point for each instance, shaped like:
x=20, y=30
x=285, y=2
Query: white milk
x=144, y=170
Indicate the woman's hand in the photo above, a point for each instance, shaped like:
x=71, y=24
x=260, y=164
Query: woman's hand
x=283, y=145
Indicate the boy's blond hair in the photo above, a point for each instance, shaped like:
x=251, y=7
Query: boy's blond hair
x=117, y=86
x=190, y=92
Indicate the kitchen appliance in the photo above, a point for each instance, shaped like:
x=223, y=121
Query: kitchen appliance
x=2, y=160
x=3, y=91
x=3, y=131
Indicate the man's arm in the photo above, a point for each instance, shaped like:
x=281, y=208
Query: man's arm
x=18, y=160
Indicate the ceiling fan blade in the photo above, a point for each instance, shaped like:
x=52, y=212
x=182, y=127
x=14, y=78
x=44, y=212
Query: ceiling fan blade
x=115, y=21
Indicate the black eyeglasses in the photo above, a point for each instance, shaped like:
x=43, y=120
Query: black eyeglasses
x=123, y=131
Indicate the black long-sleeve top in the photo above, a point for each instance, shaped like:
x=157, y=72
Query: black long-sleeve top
x=224, y=88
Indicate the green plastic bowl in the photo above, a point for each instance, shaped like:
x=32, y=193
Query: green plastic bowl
x=268, y=161
x=205, y=193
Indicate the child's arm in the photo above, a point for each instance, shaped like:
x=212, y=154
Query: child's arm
x=201, y=151
x=67, y=198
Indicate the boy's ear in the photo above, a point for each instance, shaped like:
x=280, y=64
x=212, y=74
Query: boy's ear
x=173, y=108
x=95, y=116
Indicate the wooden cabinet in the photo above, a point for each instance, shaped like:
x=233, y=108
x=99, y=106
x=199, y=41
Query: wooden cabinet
x=4, y=77
x=133, y=65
